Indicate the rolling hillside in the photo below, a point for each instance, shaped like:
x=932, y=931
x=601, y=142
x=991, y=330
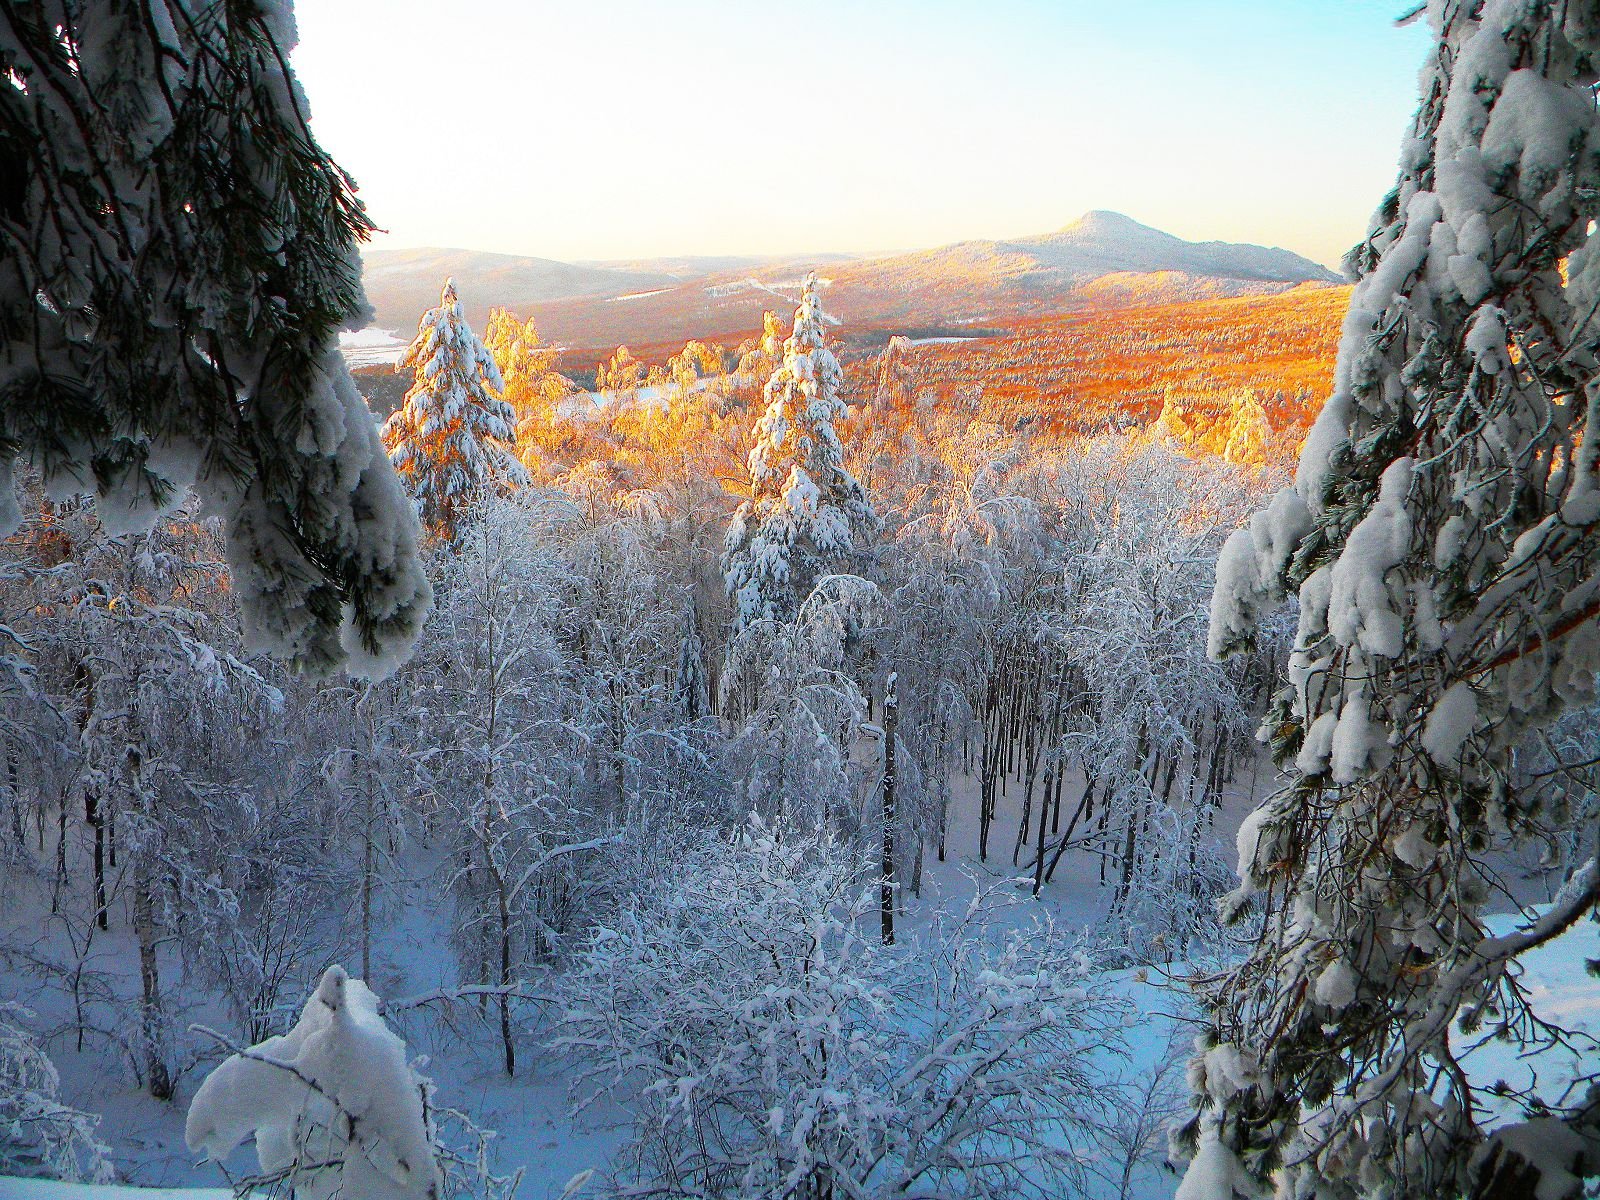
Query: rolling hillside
x=1083, y=370
x=402, y=284
x=1101, y=259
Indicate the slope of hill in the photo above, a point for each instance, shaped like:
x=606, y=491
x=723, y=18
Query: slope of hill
x=402, y=284
x=1100, y=243
x=1083, y=370
x=1101, y=259
x=1056, y=265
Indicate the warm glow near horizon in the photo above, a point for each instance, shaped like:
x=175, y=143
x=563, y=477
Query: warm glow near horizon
x=623, y=128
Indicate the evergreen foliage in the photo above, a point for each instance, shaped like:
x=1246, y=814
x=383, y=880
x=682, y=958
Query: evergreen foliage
x=452, y=435
x=1443, y=536
x=177, y=256
x=807, y=513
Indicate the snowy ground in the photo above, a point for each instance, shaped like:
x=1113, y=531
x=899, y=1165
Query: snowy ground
x=530, y=1112
x=371, y=347
x=49, y=1189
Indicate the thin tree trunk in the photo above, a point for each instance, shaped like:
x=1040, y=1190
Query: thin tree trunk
x=61, y=856
x=1129, y=847
x=1044, y=811
x=505, y=974
x=91, y=814
x=158, y=1080
x=368, y=864
x=17, y=830
x=916, y=868
x=944, y=780
x=1084, y=810
x=891, y=717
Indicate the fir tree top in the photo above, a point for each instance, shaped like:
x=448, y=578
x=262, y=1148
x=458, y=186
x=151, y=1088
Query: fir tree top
x=451, y=435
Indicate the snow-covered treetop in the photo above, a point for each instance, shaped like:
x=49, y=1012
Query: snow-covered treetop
x=452, y=435
x=177, y=256
x=806, y=511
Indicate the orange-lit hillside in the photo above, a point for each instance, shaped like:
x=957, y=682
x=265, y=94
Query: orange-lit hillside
x=1082, y=370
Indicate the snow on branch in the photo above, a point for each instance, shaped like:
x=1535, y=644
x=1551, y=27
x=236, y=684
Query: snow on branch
x=333, y=1105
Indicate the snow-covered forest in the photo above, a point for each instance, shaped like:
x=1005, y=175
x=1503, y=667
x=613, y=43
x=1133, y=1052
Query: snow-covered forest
x=756, y=776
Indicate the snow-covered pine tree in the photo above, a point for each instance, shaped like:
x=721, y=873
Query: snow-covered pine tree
x=1442, y=536
x=807, y=514
x=177, y=256
x=452, y=435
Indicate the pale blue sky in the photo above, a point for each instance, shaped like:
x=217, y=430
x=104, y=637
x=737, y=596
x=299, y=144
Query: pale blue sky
x=618, y=128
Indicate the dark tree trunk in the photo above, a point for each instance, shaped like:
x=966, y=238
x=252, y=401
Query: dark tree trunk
x=92, y=814
x=891, y=718
x=158, y=1080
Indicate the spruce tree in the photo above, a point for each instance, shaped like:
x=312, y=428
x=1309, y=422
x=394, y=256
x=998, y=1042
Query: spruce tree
x=1442, y=538
x=806, y=515
x=177, y=256
x=451, y=436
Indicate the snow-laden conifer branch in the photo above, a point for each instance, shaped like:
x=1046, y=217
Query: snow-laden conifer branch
x=179, y=259
x=1443, y=538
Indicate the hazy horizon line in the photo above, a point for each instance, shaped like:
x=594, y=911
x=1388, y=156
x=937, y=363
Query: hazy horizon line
x=382, y=240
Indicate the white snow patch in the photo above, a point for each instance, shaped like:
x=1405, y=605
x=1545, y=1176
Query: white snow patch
x=1336, y=986
x=371, y=347
x=1450, y=724
x=1215, y=1173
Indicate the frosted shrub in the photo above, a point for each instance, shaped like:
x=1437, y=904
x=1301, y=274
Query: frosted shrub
x=770, y=1046
x=39, y=1135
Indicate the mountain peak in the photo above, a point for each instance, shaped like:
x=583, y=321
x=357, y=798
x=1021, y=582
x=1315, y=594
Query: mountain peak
x=1103, y=221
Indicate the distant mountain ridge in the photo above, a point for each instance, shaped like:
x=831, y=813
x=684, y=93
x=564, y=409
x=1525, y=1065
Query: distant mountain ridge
x=403, y=284
x=1101, y=243
x=1103, y=259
